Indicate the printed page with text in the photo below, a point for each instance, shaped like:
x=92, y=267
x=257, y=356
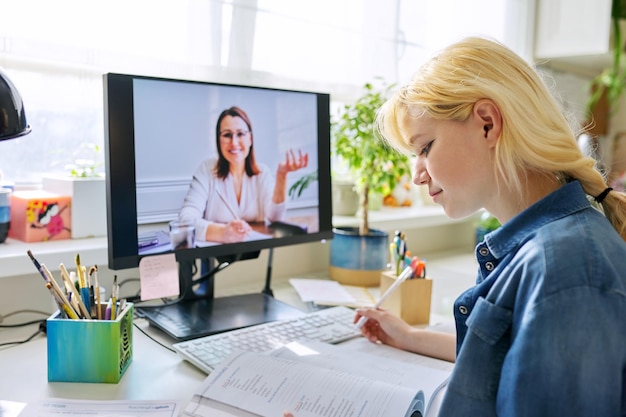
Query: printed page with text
x=313, y=379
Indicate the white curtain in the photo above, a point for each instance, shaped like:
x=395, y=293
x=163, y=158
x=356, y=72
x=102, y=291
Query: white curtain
x=56, y=52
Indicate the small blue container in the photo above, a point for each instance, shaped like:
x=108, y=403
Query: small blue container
x=5, y=212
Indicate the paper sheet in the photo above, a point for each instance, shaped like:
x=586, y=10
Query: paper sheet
x=320, y=290
x=92, y=408
x=11, y=408
x=331, y=293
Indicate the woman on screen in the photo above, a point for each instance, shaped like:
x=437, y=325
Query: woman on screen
x=231, y=191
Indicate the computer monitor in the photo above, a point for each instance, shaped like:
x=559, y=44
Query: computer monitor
x=167, y=157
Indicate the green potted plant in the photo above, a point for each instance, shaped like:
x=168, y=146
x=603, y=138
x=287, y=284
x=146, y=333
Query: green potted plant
x=610, y=83
x=607, y=89
x=358, y=255
x=298, y=187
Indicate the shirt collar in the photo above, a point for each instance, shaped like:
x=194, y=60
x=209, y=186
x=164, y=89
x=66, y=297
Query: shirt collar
x=566, y=200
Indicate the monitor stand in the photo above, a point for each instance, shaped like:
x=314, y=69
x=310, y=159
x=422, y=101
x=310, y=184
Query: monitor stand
x=199, y=313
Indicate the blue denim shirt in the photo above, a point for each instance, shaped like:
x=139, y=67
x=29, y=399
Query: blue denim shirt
x=543, y=332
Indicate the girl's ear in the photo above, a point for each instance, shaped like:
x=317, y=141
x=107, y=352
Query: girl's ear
x=488, y=114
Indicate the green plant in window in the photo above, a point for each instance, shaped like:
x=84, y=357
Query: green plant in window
x=86, y=163
x=374, y=165
x=612, y=80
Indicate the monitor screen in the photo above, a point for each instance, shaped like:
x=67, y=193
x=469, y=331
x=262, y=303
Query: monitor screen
x=242, y=168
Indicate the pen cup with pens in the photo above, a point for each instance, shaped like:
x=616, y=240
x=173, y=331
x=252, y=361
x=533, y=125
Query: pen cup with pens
x=88, y=340
x=88, y=350
x=411, y=300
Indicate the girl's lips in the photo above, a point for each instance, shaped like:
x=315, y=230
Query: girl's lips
x=434, y=195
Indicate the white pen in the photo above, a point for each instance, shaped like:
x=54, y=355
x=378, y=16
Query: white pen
x=232, y=211
x=408, y=271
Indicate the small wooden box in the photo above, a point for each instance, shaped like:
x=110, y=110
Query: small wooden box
x=411, y=301
x=39, y=216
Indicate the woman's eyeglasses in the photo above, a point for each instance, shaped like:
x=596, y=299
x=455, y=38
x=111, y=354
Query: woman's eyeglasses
x=227, y=136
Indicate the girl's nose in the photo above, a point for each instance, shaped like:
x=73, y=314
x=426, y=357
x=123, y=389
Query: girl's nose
x=420, y=176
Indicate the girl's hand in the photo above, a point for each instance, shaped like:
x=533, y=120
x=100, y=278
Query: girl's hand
x=383, y=326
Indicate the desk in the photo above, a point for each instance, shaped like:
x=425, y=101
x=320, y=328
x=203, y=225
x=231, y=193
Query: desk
x=157, y=373
x=158, y=241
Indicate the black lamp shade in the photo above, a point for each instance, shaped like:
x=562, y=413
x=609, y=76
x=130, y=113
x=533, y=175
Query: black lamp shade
x=12, y=117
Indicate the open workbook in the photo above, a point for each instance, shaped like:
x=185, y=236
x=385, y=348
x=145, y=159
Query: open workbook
x=316, y=379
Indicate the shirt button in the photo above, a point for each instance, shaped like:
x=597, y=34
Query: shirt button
x=483, y=251
x=462, y=309
x=489, y=266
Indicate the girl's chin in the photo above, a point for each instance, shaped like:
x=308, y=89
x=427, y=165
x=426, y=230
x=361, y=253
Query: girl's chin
x=456, y=214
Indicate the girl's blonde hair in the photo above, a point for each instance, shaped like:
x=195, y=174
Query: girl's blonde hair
x=536, y=136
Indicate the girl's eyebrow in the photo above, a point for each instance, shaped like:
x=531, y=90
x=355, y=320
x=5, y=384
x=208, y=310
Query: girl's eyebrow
x=414, y=138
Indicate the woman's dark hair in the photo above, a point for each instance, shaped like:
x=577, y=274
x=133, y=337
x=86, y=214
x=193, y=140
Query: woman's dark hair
x=223, y=166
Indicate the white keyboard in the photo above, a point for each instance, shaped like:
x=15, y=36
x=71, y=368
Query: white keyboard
x=331, y=325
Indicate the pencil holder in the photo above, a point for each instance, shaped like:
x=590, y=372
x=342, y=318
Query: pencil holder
x=411, y=300
x=90, y=350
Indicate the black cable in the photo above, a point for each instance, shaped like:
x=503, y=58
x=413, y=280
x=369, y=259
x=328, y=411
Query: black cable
x=152, y=338
x=27, y=323
x=39, y=330
x=4, y=316
x=132, y=298
x=181, y=297
x=127, y=280
x=211, y=272
x=167, y=301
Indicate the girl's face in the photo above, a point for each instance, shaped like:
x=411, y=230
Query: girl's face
x=454, y=160
x=235, y=140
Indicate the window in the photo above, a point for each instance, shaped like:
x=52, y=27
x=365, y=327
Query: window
x=56, y=53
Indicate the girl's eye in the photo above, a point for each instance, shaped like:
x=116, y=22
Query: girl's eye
x=424, y=151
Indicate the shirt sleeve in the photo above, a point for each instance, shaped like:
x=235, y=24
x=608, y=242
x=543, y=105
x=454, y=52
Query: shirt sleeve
x=272, y=211
x=197, y=198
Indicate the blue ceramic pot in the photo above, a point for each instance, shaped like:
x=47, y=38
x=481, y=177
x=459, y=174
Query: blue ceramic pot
x=358, y=259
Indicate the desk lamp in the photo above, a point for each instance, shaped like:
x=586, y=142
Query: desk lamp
x=12, y=125
x=12, y=117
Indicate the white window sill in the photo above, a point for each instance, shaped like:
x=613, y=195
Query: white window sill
x=392, y=218
x=16, y=262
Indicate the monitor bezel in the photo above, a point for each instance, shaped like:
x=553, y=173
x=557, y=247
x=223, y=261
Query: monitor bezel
x=119, y=147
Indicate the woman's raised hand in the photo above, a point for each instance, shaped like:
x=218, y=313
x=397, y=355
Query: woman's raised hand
x=293, y=162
